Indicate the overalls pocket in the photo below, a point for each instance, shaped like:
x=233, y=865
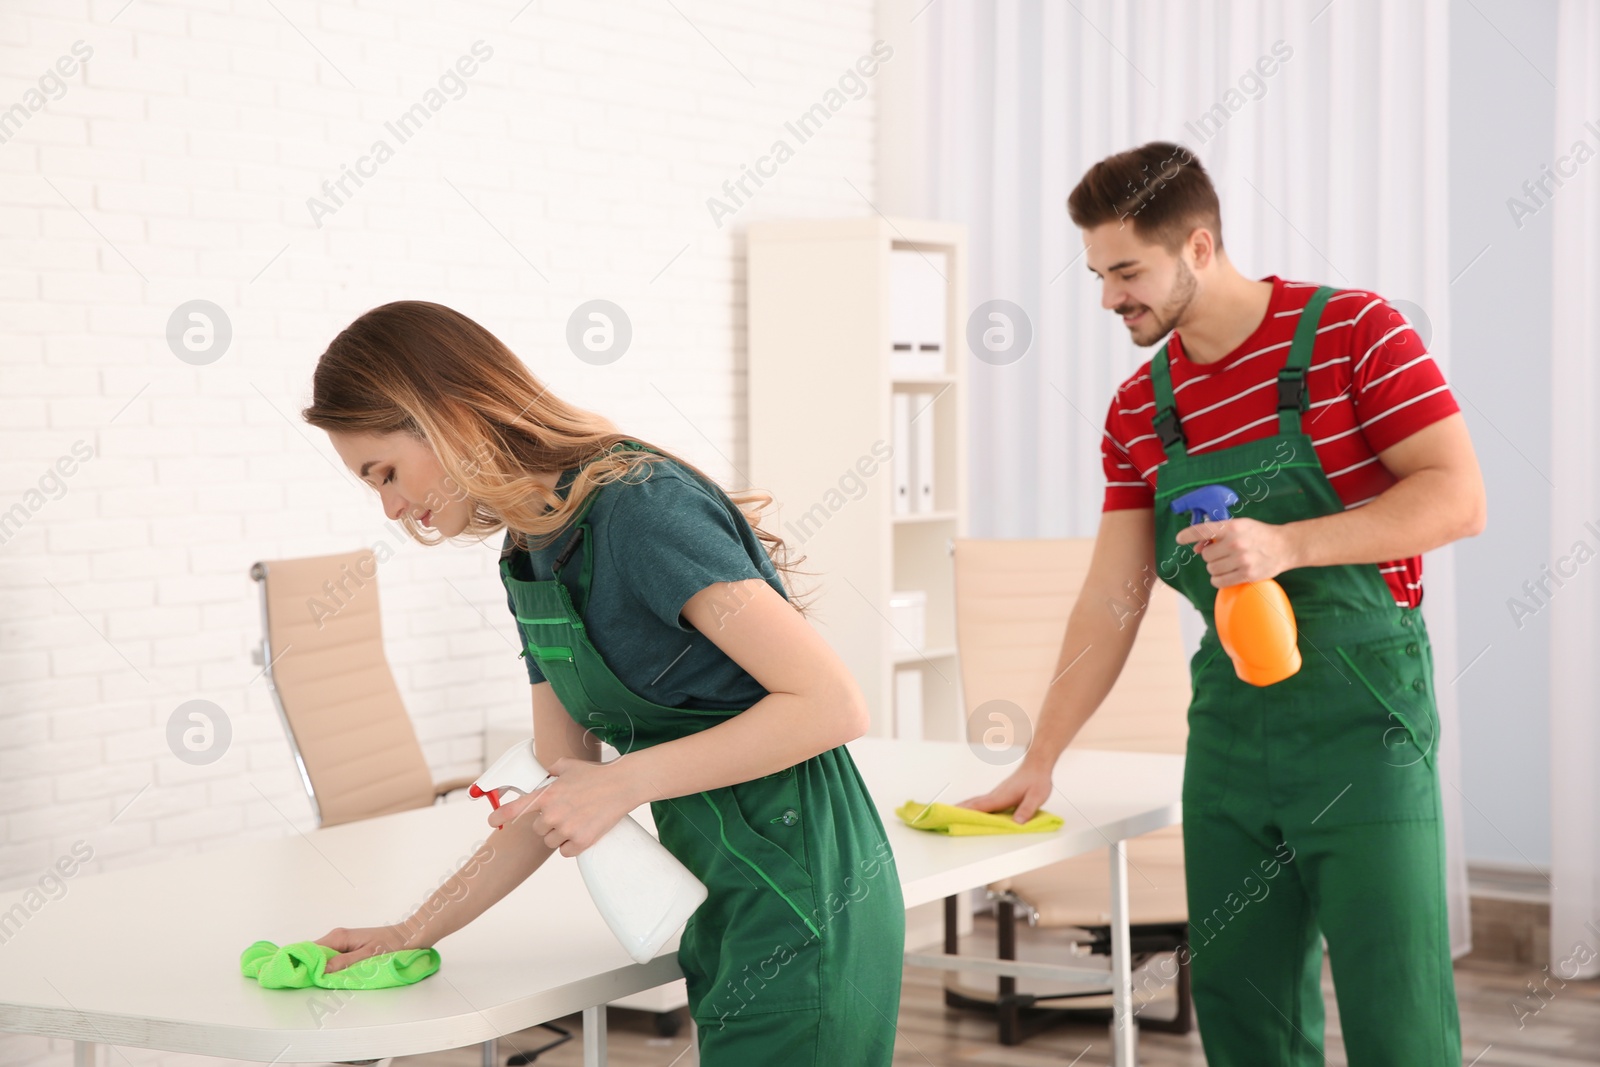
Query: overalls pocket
x=772, y=808
x=761, y=949
x=753, y=817
x=712, y=834
x=1398, y=673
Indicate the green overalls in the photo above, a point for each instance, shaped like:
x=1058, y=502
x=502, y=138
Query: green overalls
x=1310, y=807
x=795, y=957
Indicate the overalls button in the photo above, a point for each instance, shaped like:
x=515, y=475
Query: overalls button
x=789, y=817
x=1420, y=686
x=1412, y=649
x=1405, y=620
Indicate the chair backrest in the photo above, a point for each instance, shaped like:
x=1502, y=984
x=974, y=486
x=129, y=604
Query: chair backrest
x=1012, y=602
x=322, y=646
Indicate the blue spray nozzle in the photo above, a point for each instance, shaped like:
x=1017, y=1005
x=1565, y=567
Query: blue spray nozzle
x=1208, y=503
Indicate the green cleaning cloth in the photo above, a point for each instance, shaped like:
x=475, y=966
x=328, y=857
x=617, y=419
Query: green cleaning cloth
x=965, y=822
x=303, y=964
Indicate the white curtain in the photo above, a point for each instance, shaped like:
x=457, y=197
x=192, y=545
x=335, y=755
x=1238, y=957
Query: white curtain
x=1330, y=169
x=1575, y=507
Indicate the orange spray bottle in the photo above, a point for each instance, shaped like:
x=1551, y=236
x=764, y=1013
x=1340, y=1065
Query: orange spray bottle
x=1254, y=620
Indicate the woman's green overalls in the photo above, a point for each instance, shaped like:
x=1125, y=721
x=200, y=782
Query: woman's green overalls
x=1310, y=807
x=795, y=957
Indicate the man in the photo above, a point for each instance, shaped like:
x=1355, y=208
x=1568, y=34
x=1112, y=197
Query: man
x=1321, y=410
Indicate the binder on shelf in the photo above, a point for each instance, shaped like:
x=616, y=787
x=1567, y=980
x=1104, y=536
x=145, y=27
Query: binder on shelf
x=922, y=449
x=908, y=704
x=917, y=313
x=901, y=417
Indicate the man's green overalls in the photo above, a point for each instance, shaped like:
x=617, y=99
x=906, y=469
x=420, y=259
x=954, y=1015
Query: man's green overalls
x=795, y=957
x=1310, y=807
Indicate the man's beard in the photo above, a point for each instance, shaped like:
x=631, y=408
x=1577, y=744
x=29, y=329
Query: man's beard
x=1162, y=320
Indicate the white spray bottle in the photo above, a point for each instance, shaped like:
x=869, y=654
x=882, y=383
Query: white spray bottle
x=644, y=894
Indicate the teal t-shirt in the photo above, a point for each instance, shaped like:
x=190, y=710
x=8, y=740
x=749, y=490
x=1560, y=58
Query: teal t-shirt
x=656, y=543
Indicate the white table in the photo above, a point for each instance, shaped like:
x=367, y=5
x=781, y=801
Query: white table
x=149, y=956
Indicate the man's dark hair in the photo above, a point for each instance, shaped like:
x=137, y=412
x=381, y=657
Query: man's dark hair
x=1160, y=187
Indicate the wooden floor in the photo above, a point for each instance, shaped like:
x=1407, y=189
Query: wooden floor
x=1565, y=1032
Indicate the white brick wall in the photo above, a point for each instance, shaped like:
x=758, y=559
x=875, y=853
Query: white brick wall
x=176, y=165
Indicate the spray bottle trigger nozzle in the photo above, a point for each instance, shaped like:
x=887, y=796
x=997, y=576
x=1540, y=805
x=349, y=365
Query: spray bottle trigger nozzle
x=1208, y=503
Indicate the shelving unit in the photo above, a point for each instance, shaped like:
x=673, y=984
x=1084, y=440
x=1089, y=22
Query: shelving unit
x=820, y=400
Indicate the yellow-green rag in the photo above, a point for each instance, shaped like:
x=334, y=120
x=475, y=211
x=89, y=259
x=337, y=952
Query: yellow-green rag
x=966, y=822
x=304, y=964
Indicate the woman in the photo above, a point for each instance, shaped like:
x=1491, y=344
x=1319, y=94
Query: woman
x=654, y=618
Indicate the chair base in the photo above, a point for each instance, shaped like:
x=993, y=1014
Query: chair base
x=1018, y=1015
x=521, y=1059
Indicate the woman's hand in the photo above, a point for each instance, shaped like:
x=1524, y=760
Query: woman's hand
x=355, y=945
x=585, y=800
x=1241, y=550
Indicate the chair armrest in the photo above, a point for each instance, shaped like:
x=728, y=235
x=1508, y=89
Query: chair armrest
x=450, y=785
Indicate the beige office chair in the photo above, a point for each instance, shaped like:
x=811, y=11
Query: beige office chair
x=322, y=651
x=1012, y=602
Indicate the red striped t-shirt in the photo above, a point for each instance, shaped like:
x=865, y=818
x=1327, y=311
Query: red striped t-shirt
x=1371, y=385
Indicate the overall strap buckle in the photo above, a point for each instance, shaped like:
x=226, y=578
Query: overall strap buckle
x=1168, y=428
x=1165, y=421
x=1292, y=392
x=566, y=553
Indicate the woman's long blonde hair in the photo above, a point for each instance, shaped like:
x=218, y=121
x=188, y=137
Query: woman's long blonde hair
x=426, y=370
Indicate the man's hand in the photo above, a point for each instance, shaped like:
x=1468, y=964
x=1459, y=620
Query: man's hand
x=1026, y=790
x=357, y=944
x=576, y=809
x=1241, y=550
